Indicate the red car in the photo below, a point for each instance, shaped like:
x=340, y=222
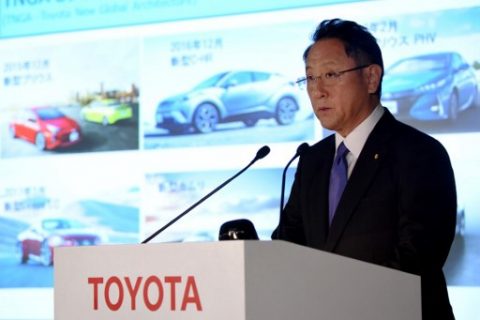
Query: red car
x=46, y=127
x=39, y=240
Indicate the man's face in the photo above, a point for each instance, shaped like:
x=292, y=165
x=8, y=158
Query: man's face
x=343, y=103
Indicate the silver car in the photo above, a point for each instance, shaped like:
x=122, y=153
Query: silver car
x=245, y=96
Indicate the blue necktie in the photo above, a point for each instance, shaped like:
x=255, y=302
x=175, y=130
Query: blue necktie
x=338, y=180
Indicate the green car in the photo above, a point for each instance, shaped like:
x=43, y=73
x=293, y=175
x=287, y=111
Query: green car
x=106, y=111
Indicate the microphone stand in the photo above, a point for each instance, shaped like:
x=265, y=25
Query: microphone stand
x=300, y=150
x=261, y=153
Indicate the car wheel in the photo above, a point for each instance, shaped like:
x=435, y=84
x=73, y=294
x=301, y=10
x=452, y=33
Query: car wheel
x=40, y=141
x=46, y=254
x=205, y=118
x=250, y=122
x=476, y=99
x=453, y=107
x=105, y=121
x=22, y=255
x=286, y=109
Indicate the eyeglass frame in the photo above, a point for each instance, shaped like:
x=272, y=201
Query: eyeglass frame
x=332, y=75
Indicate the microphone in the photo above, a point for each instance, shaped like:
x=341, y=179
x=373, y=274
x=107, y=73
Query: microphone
x=241, y=229
x=261, y=153
x=300, y=150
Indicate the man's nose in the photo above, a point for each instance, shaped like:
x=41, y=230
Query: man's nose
x=317, y=89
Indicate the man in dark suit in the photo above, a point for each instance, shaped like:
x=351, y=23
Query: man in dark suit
x=398, y=204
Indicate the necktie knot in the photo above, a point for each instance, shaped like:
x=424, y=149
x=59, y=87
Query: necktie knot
x=342, y=152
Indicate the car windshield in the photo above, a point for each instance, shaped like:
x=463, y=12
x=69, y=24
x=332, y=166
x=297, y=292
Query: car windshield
x=210, y=82
x=104, y=103
x=49, y=113
x=56, y=224
x=418, y=65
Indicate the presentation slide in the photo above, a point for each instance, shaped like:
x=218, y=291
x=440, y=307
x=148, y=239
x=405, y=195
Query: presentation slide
x=118, y=115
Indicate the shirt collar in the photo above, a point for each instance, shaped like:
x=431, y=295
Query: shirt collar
x=357, y=138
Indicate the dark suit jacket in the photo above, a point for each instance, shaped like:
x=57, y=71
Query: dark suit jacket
x=398, y=208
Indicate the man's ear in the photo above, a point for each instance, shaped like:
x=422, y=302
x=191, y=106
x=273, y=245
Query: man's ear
x=374, y=73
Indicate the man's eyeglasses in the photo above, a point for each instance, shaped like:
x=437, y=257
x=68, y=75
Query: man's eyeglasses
x=328, y=78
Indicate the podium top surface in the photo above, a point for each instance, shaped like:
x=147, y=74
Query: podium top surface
x=228, y=279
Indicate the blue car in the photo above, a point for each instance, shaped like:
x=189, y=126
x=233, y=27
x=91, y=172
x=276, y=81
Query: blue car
x=245, y=96
x=435, y=86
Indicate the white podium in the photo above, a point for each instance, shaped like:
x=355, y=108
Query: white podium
x=233, y=280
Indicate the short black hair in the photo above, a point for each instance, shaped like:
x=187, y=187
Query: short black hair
x=359, y=43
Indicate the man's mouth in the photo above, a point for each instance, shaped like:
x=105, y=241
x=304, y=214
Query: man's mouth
x=323, y=109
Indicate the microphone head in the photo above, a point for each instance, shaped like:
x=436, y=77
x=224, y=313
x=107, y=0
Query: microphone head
x=241, y=229
x=262, y=152
x=302, y=148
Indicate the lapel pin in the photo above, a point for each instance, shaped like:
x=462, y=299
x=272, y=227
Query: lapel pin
x=376, y=156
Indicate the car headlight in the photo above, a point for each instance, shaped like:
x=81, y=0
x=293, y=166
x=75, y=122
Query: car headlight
x=53, y=129
x=433, y=85
x=164, y=104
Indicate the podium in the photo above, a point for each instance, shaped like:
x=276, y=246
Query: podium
x=233, y=280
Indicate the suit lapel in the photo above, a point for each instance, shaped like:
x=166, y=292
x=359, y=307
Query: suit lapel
x=362, y=176
x=323, y=164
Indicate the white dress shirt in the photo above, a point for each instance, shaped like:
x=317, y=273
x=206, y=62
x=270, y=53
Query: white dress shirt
x=357, y=138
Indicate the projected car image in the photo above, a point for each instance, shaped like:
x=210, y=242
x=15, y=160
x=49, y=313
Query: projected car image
x=38, y=241
x=46, y=127
x=107, y=111
x=435, y=86
x=245, y=96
